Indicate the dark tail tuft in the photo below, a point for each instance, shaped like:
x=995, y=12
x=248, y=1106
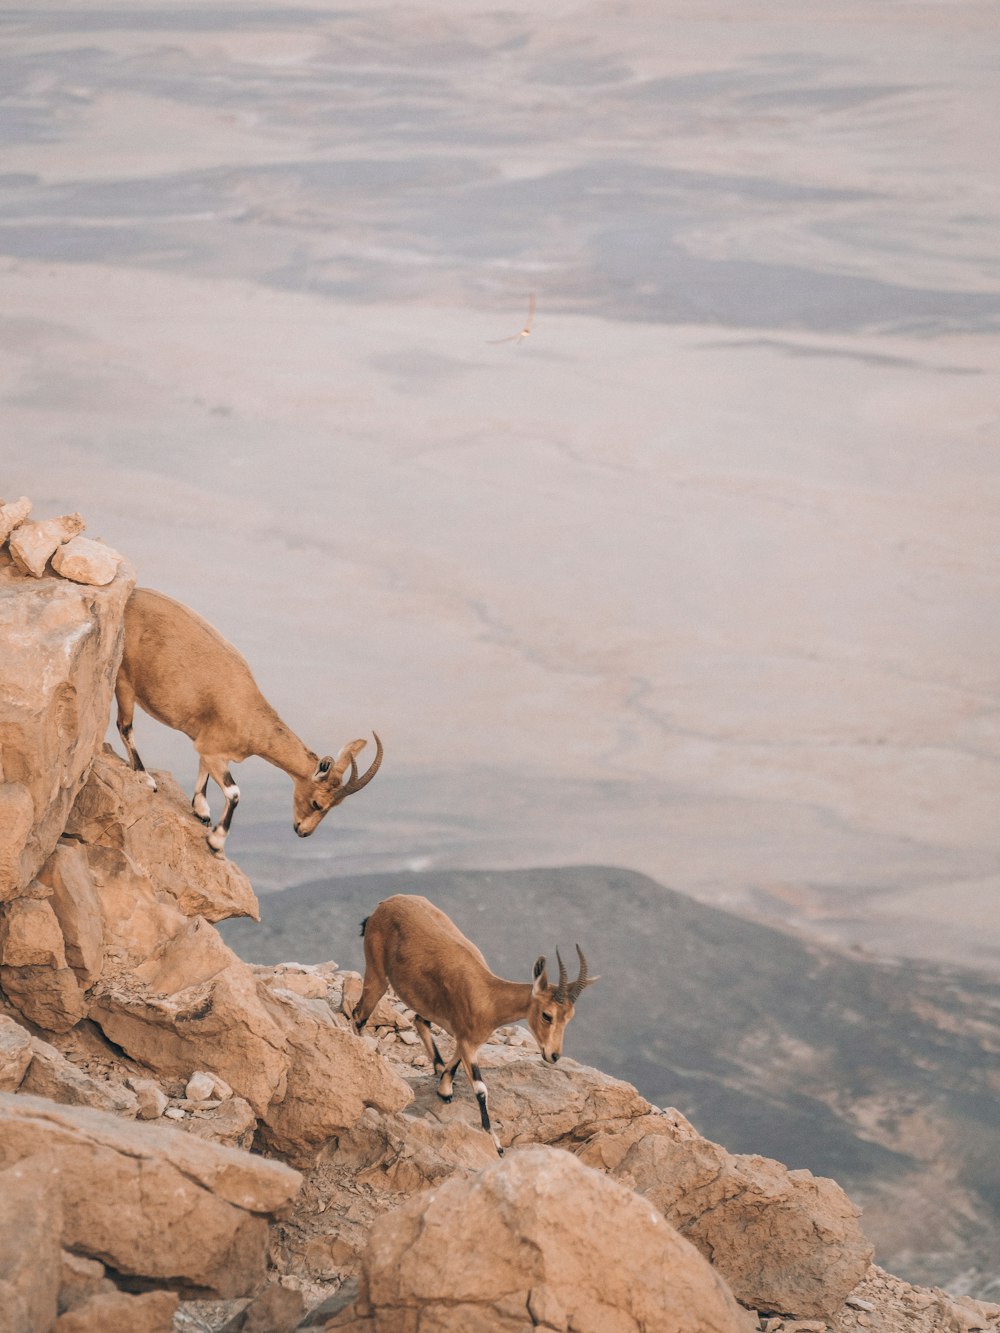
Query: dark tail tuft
x=363, y=924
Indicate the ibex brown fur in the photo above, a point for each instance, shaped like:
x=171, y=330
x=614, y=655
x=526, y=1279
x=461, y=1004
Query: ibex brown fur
x=181, y=671
x=412, y=946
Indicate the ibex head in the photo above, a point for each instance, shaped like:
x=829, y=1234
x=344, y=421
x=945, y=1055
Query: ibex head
x=552, y=1007
x=325, y=787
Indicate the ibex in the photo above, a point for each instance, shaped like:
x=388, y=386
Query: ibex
x=181, y=671
x=414, y=947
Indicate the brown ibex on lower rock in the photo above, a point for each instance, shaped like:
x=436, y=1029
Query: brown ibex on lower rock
x=181, y=671
x=412, y=946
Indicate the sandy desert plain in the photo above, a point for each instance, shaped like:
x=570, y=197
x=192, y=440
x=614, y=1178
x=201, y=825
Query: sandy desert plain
x=703, y=578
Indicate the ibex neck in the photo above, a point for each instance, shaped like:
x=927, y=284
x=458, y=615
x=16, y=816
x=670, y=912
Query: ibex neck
x=511, y=999
x=279, y=745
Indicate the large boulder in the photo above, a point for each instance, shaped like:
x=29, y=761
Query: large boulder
x=62, y=646
x=15, y=1053
x=332, y=1076
x=30, y=1227
x=161, y=837
x=784, y=1240
x=150, y=1202
x=536, y=1240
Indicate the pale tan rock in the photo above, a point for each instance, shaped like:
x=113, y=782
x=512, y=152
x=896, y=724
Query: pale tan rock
x=86, y=561
x=151, y=1099
x=162, y=839
x=277, y=1309
x=77, y=906
x=220, y=1021
x=332, y=1077
x=784, y=1240
x=15, y=1054
x=232, y=1122
x=200, y=1086
x=30, y=935
x=538, y=1227
x=51, y=1075
x=49, y=997
x=62, y=646
x=17, y=820
x=118, y=1312
x=12, y=515
x=79, y=1279
x=152, y=1202
x=30, y=1227
x=32, y=544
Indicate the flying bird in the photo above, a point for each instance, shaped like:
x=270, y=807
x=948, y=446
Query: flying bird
x=523, y=333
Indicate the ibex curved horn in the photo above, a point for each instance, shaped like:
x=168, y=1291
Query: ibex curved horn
x=560, y=992
x=356, y=783
x=583, y=979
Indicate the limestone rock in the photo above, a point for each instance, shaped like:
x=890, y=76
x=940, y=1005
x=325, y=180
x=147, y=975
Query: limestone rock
x=117, y=1312
x=49, y=997
x=277, y=1309
x=30, y=935
x=784, y=1240
x=86, y=561
x=161, y=837
x=62, y=646
x=232, y=1123
x=77, y=907
x=80, y=1279
x=12, y=515
x=536, y=1236
x=218, y=1022
x=151, y=1202
x=30, y=1226
x=332, y=1076
x=200, y=1086
x=151, y=1099
x=51, y=1075
x=15, y=1054
x=33, y=544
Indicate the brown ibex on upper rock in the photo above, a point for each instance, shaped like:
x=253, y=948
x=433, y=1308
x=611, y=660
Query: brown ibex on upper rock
x=412, y=946
x=181, y=671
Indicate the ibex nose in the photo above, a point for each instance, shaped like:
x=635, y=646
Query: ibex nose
x=555, y=1056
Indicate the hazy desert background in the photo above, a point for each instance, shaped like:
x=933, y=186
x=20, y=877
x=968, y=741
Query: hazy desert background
x=703, y=578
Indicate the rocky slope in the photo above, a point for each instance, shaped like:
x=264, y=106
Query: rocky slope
x=881, y=1074
x=190, y=1141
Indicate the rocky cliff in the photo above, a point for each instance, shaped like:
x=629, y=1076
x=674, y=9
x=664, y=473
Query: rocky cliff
x=190, y=1141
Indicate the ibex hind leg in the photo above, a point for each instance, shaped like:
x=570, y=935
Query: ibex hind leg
x=430, y=1045
x=199, y=801
x=126, y=711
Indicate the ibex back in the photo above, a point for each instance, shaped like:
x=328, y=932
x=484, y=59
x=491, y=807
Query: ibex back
x=181, y=671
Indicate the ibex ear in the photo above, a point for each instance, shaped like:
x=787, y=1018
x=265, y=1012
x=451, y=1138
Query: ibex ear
x=541, y=977
x=323, y=768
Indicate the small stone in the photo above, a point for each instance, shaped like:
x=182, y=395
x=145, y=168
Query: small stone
x=200, y=1087
x=174, y=1113
x=32, y=544
x=12, y=515
x=409, y=1037
x=859, y=1303
x=152, y=1099
x=86, y=561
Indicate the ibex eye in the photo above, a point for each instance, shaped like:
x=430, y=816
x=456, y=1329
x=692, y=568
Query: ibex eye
x=547, y=1017
x=316, y=806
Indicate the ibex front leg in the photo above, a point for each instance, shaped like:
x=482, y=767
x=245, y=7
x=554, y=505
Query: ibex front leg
x=217, y=766
x=475, y=1077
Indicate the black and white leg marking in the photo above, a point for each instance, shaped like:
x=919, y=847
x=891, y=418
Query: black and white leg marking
x=482, y=1096
x=217, y=837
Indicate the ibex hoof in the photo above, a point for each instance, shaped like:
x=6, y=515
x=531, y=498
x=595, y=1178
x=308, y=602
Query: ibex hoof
x=499, y=1152
x=217, y=852
x=446, y=1097
x=151, y=783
